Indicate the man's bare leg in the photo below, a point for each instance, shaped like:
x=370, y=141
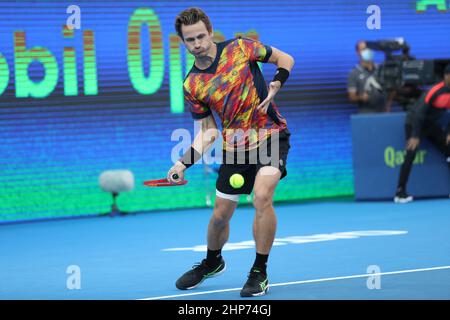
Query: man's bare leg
x=265, y=223
x=219, y=224
x=264, y=227
x=218, y=231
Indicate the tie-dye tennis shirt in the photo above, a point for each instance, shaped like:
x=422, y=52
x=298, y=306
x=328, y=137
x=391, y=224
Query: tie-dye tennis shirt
x=233, y=86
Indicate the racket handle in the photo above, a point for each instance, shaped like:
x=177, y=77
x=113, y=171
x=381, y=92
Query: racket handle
x=175, y=176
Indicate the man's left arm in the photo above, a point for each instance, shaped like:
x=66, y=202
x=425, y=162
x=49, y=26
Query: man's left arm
x=284, y=63
x=448, y=133
x=281, y=59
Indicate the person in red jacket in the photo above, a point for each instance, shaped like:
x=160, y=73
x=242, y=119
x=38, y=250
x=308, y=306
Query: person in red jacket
x=423, y=121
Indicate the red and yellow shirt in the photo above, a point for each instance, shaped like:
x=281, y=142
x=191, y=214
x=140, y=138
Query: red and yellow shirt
x=233, y=86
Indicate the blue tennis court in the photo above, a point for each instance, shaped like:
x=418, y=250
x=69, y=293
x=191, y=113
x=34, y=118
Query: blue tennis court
x=323, y=250
x=101, y=100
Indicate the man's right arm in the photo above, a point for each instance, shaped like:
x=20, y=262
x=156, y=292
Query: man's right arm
x=207, y=135
x=202, y=142
x=354, y=97
x=352, y=90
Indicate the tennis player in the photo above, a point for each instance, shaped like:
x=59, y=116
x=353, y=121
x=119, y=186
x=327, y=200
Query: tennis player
x=226, y=79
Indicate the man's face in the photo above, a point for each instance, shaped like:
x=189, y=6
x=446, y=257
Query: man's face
x=364, y=53
x=197, y=39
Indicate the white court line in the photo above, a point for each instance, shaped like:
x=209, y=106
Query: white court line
x=303, y=282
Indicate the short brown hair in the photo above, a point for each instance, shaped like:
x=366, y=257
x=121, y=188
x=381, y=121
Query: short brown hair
x=191, y=16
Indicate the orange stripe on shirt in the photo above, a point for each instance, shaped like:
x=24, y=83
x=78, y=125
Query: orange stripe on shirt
x=433, y=91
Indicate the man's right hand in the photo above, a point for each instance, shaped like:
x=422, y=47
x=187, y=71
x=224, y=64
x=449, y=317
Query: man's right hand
x=177, y=168
x=412, y=143
x=364, y=97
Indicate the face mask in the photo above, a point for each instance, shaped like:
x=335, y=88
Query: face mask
x=367, y=54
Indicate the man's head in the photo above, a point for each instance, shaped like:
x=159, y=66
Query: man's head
x=194, y=29
x=447, y=75
x=364, y=53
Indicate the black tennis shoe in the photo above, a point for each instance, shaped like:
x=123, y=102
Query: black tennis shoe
x=257, y=284
x=402, y=197
x=198, y=274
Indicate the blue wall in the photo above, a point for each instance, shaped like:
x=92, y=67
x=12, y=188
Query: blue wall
x=53, y=149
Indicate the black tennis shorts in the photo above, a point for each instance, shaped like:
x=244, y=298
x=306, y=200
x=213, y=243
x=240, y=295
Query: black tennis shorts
x=249, y=163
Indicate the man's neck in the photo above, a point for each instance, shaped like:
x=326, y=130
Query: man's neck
x=205, y=62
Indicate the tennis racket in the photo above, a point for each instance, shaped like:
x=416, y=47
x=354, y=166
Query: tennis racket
x=164, y=182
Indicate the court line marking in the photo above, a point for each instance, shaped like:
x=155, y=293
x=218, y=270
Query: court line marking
x=303, y=282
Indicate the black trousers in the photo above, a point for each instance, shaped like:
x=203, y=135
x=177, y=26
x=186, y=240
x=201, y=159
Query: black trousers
x=437, y=136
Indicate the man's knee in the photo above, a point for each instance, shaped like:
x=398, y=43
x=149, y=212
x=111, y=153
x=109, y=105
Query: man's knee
x=219, y=221
x=223, y=211
x=262, y=199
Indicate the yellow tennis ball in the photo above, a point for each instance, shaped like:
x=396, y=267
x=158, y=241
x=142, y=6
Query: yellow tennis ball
x=236, y=180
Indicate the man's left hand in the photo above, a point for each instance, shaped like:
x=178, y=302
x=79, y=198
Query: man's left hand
x=273, y=89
